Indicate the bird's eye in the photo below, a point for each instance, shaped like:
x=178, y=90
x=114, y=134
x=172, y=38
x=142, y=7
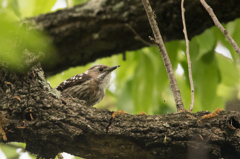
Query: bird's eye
x=100, y=69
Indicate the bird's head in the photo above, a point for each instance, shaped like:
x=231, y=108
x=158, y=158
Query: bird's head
x=102, y=73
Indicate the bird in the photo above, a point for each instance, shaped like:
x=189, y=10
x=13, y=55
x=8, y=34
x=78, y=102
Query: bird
x=89, y=86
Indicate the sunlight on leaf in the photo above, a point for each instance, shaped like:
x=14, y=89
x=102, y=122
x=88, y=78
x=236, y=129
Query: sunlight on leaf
x=42, y=6
x=229, y=72
x=9, y=151
x=35, y=7
x=14, y=39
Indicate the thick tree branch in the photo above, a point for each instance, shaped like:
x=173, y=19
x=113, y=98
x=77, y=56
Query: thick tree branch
x=31, y=112
x=97, y=29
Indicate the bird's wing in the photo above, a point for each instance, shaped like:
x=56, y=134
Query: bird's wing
x=75, y=80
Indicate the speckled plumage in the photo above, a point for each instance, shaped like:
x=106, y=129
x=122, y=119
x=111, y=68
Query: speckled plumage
x=89, y=86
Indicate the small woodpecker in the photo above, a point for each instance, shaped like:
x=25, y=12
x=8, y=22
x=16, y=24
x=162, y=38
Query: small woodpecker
x=89, y=86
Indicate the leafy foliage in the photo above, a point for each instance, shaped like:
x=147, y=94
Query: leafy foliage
x=26, y=8
x=14, y=39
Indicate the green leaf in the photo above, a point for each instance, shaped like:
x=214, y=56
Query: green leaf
x=185, y=91
x=77, y=157
x=18, y=144
x=34, y=7
x=71, y=3
x=234, y=33
x=32, y=156
x=13, y=4
x=228, y=70
x=8, y=14
x=125, y=100
x=233, y=29
x=194, y=50
x=1, y=2
x=174, y=48
x=41, y=6
x=76, y=2
x=184, y=87
x=147, y=81
x=14, y=40
x=9, y=151
x=206, y=77
x=143, y=84
x=206, y=41
x=26, y=7
x=208, y=57
x=206, y=81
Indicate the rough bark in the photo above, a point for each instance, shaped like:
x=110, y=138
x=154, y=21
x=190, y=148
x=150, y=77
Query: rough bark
x=31, y=112
x=97, y=29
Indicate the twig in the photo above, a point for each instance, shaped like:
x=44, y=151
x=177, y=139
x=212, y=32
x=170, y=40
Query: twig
x=218, y=24
x=166, y=60
x=188, y=56
x=138, y=37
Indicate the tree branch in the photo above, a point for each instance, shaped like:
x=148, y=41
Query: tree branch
x=67, y=125
x=97, y=29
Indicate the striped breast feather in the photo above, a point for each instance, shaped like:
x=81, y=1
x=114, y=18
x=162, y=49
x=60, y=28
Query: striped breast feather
x=75, y=80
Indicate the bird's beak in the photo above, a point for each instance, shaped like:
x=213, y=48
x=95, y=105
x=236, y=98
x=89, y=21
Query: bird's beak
x=113, y=68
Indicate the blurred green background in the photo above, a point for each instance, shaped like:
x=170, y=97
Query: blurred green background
x=141, y=83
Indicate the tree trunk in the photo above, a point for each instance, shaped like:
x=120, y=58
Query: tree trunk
x=32, y=112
